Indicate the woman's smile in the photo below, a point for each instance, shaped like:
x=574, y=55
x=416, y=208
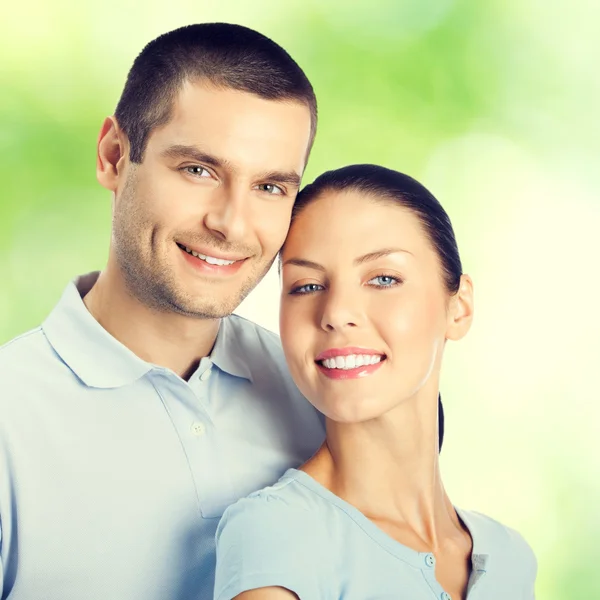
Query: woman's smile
x=349, y=362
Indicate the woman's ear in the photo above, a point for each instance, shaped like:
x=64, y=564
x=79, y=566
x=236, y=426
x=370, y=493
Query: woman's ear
x=460, y=312
x=112, y=151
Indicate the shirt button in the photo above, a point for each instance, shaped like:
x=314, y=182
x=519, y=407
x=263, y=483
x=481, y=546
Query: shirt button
x=430, y=560
x=206, y=374
x=445, y=596
x=198, y=428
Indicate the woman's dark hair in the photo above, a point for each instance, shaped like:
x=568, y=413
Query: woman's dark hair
x=224, y=55
x=391, y=186
x=440, y=421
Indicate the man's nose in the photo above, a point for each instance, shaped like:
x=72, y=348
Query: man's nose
x=227, y=214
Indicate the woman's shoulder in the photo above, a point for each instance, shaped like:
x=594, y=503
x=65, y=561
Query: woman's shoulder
x=273, y=537
x=287, y=509
x=282, y=499
x=499, y=542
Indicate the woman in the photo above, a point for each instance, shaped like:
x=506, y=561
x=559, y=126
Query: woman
x=372, y=290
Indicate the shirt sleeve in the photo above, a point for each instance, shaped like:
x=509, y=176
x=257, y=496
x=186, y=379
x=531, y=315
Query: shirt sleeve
x=265, y=541
x=531, y=568
x=521, y=561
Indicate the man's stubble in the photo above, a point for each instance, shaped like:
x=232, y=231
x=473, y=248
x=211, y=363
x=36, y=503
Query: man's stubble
x=146, y=271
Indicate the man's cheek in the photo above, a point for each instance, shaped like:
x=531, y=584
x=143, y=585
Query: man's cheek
x=273, y=237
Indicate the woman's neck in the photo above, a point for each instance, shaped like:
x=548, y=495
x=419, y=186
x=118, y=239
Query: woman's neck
x=388, y=468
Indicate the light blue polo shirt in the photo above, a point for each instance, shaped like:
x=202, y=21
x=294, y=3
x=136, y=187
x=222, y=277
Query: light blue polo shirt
x=298, y=535
x=114, y=472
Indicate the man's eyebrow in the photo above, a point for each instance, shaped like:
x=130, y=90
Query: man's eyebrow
x=193, y=153
x=290, y=178
x=309, y=264
x=179, y=151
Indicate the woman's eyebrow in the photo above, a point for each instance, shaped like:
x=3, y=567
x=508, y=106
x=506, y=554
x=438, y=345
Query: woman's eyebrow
x=300, y=262
x=309, y=264
x=379, y=254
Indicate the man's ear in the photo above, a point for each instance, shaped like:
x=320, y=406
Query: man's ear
x=112, y=153
x=460, y=311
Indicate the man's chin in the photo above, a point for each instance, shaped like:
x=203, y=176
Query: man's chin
x=202, y=306
x=222, y=299
x=194, y=309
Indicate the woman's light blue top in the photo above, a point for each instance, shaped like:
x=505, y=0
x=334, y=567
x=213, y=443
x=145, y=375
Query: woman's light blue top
x=298, y=535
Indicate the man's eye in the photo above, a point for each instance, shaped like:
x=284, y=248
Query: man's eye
x=271, y=188
x=309, y=288
x=197, y=171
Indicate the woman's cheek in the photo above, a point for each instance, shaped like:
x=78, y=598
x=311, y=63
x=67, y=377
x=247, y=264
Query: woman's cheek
x=415, y=316
x=293, y=336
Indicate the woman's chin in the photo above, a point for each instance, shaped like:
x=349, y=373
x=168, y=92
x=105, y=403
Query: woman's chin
x=345, y=410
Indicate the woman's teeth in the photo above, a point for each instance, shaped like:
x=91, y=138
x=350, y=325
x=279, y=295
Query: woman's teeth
x=209, y=259
x=351, y=361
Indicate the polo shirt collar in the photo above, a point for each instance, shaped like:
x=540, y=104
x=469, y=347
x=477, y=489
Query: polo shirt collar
x=228, y=352
x=100, y=361
x=96, y=357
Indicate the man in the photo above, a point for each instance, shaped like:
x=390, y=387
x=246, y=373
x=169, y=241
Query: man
x=140, y=408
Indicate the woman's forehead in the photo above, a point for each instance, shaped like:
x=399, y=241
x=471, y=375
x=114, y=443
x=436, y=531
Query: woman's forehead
x=356, y=218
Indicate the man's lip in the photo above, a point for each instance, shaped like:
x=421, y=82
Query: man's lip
x=211, y=253
x=333, y=352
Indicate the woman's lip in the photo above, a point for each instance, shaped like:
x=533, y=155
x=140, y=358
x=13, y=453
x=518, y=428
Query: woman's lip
x=347, y=351
x=355, y=373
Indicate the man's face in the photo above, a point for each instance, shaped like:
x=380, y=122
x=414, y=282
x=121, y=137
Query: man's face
x=218, y=181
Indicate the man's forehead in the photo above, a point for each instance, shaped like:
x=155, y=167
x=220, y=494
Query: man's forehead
x=239, y=128
x=228, y=108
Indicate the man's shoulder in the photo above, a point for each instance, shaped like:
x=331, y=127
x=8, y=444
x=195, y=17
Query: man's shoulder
x=26, y=360
x=13, y=351
x=260, y=351
x=259, y=348
x=252, y=334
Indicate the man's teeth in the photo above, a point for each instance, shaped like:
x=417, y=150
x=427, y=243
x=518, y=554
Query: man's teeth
x=209, y=259
x=351, y=361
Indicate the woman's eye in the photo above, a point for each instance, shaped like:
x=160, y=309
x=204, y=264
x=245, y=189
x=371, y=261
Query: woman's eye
x=271, y=188
x=384, y=281
x=309, y=288
x=197, y=171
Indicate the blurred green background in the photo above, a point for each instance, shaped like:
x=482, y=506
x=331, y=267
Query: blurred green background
x=492, y=105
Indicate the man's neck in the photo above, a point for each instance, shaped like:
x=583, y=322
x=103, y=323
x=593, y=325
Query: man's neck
x=166, y=339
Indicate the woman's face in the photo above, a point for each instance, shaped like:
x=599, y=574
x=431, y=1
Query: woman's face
x=364, y=309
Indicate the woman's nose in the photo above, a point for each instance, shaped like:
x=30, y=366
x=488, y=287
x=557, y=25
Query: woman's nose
x=340, y=311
